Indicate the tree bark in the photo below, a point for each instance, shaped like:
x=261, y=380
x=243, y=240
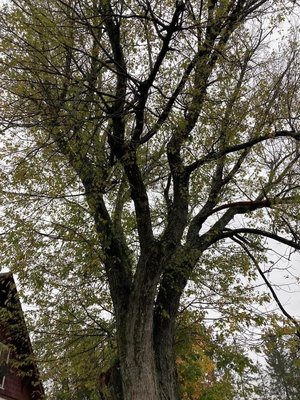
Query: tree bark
x=166, y=361
x=137, y=356
x=135, y=331
x=148, y=363
x=146, y=338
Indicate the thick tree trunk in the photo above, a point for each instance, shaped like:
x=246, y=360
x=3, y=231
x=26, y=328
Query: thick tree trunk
x=135, y=334
x=142, y=378
x=164, y=344
x=146, y=338
x=166, y=309
x=139, y=376
x=166, y=364
x=137, y=358
x=146, y=327
x=147, y=356
x=148, y=370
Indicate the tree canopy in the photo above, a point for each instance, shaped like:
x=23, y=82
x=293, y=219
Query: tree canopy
x=150, y=155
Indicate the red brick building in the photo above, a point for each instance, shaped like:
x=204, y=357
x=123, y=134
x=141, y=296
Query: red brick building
x=19, y=377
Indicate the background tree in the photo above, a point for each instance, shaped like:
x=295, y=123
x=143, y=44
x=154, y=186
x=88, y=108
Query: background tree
x=208, y=366
x=141, y=140
x=283, y=368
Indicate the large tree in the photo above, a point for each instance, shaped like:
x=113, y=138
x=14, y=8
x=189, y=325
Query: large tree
x=170, y=131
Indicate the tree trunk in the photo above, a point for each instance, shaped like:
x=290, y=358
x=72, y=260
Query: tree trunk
x=146, y=351
x=164, y=344
x=135, y=333
x=148, y=369
x=166, y=364
x=139, y=376
x=137, y=357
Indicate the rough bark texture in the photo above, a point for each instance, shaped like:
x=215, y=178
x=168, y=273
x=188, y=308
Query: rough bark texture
x=166, y=362
x=148, y=367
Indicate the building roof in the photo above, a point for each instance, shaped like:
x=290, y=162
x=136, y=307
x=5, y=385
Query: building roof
x=14, y=333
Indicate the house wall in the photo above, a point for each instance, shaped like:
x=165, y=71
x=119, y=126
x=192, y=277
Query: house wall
x=14, y=389
x=21, y=383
